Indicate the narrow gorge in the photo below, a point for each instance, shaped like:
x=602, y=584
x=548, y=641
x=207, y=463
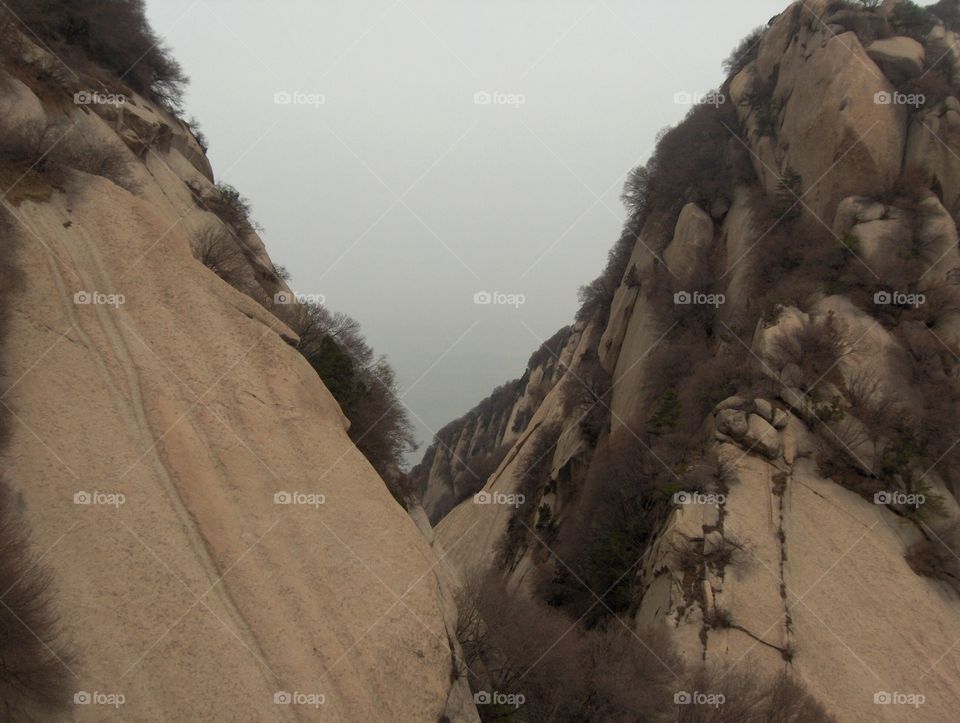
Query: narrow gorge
x=726, y=491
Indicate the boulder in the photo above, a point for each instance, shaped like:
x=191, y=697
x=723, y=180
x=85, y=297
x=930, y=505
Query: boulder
x=732, y=403
x=763, y=408
x=762, y=437
x=937, y=236
x=780, y=419
x=899, y=57
x=932, y=144
x=732, y=423
x=865, y=23
x=941, y=37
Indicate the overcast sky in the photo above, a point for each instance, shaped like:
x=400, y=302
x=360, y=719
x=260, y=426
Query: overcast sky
x=389, y=187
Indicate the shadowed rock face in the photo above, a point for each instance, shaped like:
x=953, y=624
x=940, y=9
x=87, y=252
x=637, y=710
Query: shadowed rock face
x=823, y=584
x=469, y=450
x=217, y=542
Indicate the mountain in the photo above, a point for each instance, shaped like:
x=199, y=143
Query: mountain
x=187, y=530
x=748, y=438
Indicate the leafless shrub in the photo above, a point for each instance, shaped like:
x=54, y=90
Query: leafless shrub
x=514, y=645
x=27, y=168
x=473, y=476
x=30, y=143
x=199, y=136
x=936, y=555
x=948, y=11
x=218, y=250
x=35, y=155
x=625, y=499
x=32, y=678
x=745, y=52
x=98, y=158
x=114, y=36
x=695, y=555
x=881, y=416
x=815, y=346
x=231, y=207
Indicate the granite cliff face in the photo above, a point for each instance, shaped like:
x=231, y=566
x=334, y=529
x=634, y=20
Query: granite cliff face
x=764, y=384
x=217, y=546
x=467, y=451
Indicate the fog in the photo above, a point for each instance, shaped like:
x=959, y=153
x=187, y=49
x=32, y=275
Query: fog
x=404, y=156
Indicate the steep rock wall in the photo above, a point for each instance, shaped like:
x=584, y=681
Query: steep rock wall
x=824, y=590
x=204, y=595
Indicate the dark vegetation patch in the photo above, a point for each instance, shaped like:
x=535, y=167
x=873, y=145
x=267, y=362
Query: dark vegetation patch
x=544, y=670
x=33, y=681
x=110, y=40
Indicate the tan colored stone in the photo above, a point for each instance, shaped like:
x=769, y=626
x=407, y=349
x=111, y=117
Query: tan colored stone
x=834, y=133
x=899, y=57
x=732, y=423
x=187, y=399
x=691, y=239
x=762, y=437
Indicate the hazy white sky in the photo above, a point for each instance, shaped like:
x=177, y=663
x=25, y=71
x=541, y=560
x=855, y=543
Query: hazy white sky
x=399, y=196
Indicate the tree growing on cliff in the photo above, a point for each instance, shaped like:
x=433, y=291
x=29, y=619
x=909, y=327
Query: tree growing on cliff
x=114, y=36
x=745, y=52
x=364, y=385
